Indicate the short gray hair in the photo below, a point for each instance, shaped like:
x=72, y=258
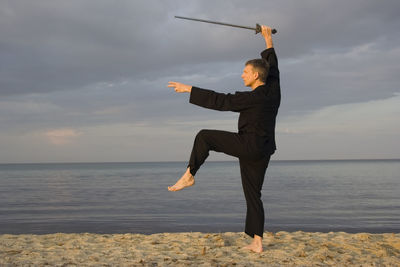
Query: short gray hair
x=261, y=66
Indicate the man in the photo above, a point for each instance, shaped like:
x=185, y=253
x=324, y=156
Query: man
x=255, y=141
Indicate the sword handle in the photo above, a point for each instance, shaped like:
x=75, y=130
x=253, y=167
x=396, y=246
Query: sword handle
x=258, y=29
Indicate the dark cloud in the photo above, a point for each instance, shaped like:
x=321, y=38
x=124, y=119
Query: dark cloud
x=64, y=45
x=58, y=45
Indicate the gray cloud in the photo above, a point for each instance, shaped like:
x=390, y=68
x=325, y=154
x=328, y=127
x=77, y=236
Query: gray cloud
x=56, y=45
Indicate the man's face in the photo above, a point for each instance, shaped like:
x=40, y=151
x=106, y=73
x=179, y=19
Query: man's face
x=249, y=76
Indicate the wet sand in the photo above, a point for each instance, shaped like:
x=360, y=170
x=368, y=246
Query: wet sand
x=200, y=249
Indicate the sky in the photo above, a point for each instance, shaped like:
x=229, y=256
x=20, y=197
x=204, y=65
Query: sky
x=86, y=81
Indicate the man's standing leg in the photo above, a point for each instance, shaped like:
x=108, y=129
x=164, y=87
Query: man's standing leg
x=253, y=172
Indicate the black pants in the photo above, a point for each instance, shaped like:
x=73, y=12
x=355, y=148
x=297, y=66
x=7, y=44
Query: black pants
x=253, y=164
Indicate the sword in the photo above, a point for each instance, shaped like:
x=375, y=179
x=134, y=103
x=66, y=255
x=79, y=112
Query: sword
x=257, y=28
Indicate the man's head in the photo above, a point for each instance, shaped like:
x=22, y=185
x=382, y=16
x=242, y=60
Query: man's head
x=255, y=72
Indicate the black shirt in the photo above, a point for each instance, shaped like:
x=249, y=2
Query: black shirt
x=258, y=108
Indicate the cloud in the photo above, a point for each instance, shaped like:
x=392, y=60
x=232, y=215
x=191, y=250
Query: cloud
x=357, y=130
x=54, y=45
x=62, y=136
x=372, y=117
x=364, y=73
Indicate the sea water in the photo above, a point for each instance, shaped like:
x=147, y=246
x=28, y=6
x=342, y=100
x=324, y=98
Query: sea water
x=344, y=195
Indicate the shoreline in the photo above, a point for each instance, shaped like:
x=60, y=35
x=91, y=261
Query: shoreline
x=200, y=249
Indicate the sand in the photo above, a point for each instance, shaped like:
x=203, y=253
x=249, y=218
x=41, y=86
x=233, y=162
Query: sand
x=200, y=249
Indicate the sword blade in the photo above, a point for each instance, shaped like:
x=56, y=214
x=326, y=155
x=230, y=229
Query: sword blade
x=219, y=23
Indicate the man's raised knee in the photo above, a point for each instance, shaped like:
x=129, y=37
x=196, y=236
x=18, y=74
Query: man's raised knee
x=202, y=133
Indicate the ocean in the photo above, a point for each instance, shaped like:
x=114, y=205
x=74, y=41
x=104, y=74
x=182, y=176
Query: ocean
x=319, y=196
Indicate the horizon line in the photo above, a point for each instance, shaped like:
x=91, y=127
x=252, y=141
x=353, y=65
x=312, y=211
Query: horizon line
x=178, y=161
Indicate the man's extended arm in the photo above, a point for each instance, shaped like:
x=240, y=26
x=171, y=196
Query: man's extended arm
x=223, y=102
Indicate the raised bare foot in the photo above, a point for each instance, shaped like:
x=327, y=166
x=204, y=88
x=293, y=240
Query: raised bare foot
x=186, y=180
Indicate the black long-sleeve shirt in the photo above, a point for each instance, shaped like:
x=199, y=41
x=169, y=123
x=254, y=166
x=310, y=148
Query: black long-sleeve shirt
x=258, y=108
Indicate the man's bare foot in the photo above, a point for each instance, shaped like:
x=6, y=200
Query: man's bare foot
x=186, y=180
x=256, y=245
x=255, y=248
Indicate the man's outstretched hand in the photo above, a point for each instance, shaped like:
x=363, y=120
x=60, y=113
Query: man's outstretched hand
x=180, y=87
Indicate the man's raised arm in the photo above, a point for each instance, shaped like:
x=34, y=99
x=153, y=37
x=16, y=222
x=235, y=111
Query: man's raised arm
x=267, y=33
x=269, y=53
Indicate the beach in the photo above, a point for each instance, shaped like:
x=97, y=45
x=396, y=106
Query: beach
x=200, y=249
